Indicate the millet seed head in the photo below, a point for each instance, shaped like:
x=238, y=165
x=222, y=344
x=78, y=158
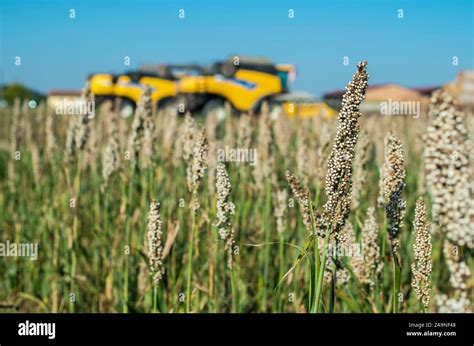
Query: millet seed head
x=339, y=174
x=422, y=266
x=154, y=242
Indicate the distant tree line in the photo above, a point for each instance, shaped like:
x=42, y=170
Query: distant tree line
x=14, y=90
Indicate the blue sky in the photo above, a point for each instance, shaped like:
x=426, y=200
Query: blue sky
x=59, y=52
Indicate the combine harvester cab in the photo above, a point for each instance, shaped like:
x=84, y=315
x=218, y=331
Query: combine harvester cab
x=244, y=83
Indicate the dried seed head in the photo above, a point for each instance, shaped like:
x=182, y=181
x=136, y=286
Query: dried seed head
x=225, y=210
x=154, y=242
x=302, y=154
x=280, y=210
x=90, y=150
x=345, y=239
x=421, y=268
x=211, y=127
x=460, y=277
x=121, y=125
x=169, y=133
x=71, y=140
x=79, y=128
x=447, y=170
x=229, y=136
x=36, y=164
x=460, y=280
x=16, y=129
x=51, y=143
x=461, y=304
x=392, y=186
x=244, y=139
x=362, y=157
x=83, y=126
x=26, y=123
x=184, y=144
x=302, y=196
x=323, y=144
x=282, y=132
x=369, y=266
x=189, y=137
x=149, y=138
x=263, y=167
x=111, y=155
x=170, y=238
x=198, y=166
x=338, y=177
x=244, y=131
x=212, y=166
x=345, y=243
x=143, y=111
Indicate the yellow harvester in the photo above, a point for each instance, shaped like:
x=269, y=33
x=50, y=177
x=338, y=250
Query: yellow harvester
x=243, y=82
